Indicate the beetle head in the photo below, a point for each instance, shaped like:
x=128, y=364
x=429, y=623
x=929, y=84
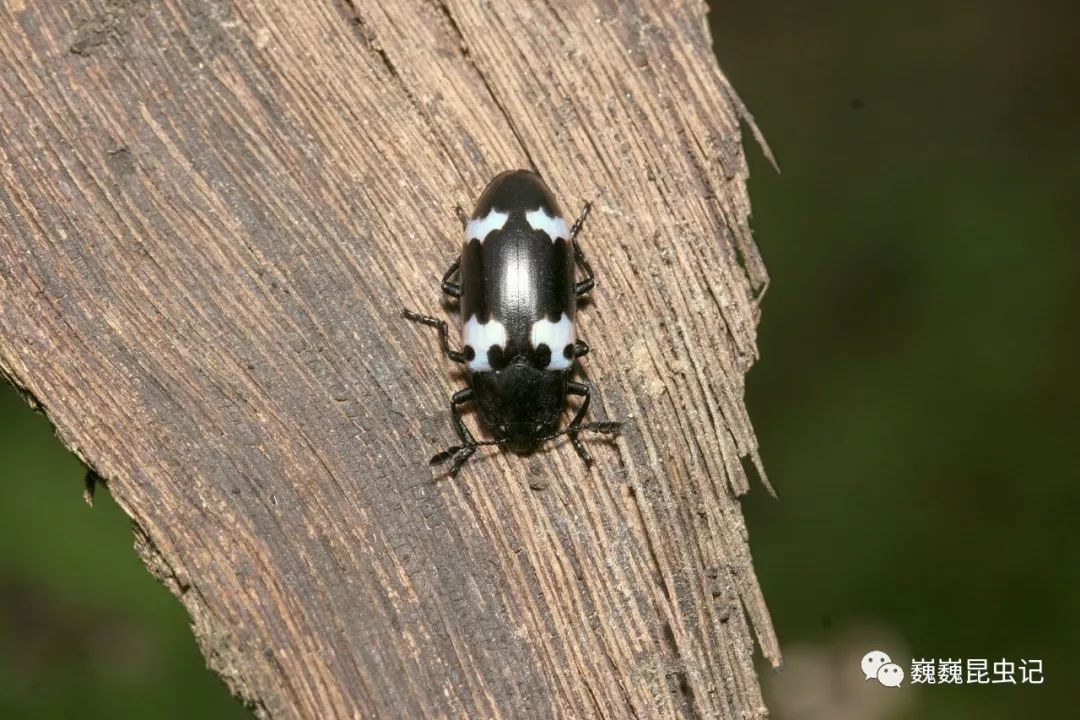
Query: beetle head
x=520, y=403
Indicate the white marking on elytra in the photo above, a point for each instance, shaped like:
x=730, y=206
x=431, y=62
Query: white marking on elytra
x=555, y=227
x=481, y=336
x=556, y=335
x=478, y=228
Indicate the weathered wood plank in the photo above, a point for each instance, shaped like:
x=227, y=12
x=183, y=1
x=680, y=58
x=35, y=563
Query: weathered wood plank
x=211, y=213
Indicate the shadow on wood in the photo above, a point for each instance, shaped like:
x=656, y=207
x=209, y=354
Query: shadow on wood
x=211, y=214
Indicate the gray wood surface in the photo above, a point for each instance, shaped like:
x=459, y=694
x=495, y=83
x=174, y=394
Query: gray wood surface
x=211, y=214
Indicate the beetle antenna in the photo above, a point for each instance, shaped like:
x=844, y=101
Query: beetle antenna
x=605, y=427
x=455, y=449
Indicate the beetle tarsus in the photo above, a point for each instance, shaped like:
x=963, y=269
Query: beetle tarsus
x=444, y=334
x=460, y=460
x=440, y=458
x=586, y=457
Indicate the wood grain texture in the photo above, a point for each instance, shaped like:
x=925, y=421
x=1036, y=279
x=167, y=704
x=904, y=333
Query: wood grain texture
x=211, y=214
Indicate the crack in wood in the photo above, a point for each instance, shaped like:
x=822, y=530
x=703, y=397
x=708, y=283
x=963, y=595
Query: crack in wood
x=463, y=48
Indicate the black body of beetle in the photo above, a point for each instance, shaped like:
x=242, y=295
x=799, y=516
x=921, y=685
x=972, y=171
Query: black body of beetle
x=518, y=296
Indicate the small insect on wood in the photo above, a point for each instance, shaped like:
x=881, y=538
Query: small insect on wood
x=515, y=282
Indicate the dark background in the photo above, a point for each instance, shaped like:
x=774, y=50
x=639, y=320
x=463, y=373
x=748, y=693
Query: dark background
x=915, y=400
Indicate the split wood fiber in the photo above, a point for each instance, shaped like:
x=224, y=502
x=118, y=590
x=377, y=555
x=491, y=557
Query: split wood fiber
x=211, y=214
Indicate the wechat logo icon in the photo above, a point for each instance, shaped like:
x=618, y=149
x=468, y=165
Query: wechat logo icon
x=877, y=665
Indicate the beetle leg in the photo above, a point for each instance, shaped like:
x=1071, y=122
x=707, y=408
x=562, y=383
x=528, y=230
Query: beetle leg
x=444, y=336
x=579, y=257
x=461, y=396
x=452, y=289
x=461, y=216
x=581, y=348
x=583, y=389
x=585, y=285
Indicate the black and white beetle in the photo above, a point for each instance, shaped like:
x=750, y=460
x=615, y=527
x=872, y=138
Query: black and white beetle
x=517, y=295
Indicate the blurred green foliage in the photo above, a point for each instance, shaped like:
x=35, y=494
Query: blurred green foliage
x=915, y=399
x=85, y=630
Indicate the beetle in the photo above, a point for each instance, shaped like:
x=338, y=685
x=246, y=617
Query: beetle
x=517, y=293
